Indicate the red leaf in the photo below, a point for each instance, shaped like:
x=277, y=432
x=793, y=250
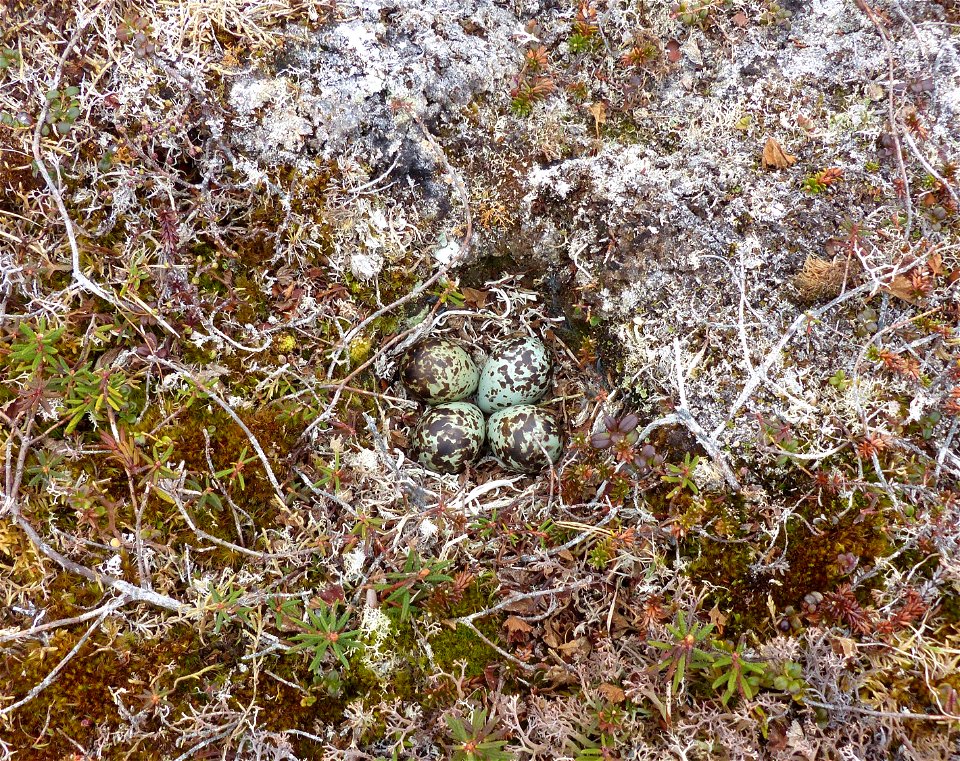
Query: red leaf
x=673, y=51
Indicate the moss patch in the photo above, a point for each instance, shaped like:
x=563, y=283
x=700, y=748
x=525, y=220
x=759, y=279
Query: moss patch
x=810, y=560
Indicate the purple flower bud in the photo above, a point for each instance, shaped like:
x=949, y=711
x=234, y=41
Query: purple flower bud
x=600, y=440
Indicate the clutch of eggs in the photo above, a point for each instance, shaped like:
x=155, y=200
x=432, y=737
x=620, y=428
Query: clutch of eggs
x=522, y=437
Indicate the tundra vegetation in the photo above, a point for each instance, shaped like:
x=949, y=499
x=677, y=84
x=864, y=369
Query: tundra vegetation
x=734, y=224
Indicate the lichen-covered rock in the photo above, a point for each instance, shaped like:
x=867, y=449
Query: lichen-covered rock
x=448, y=437
x=336, y=94
x=437, y=371
x=523, y=438
x=517, y=372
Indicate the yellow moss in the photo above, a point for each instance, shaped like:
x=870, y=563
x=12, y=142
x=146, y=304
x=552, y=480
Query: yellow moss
x=360, y=349
x=285, y=343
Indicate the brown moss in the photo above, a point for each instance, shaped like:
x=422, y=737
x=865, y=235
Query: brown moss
x=79, y=705
x=811, y=560
x=822, y=278
x=16, y=177
x=276, y=435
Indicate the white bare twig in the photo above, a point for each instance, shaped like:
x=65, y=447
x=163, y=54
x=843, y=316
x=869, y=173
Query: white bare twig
x=914, y=148
x=60, y=623
x=892, y=114
x=125, y=588
x=513, y=599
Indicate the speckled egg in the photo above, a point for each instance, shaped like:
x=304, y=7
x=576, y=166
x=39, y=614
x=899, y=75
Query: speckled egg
x=519, y=436
x=439, y=371
x=517, y=372
x=449, y=436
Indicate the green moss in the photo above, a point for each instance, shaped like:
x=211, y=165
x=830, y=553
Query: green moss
x=285, y=343
x=297, y=702
x=950, y=609
x=184, y=431
x=624, y=130
x=450, y=647
x=360, y=349
x=461, y=644
x=483, y=269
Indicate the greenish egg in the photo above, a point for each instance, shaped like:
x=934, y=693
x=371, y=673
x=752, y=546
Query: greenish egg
x=517, y=372
x=449, y=436
x=524, y=438
x=437, y=371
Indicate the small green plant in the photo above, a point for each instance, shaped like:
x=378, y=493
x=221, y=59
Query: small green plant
x=643, y=52
x=684, y=653
x=63, y=111
x=819, y=181
x=135, y=30
x=331, y=476
x=405, y=588
x=601, y=554
x=599, y=734
x=325, y=630
x=284, y=610
x=533, y=83
x=205, y=496
x=476, y=741
x=790, y=680
x=928, y=423
x=774, y=14
x=780, y=435
x=91, y=392
x=9, y=57
x=45, y=470
x=18, y=121
x=234, y=474
x=579, y=43
x=156, y=465
x=447, y=292
x=696, y=12
x=737, y=675
x=35, y=349
x=593, y=320
x=840, y=381
x=682, y=476
x=226, y=607
x=526, y=94
x=585, y=37
x=813, y=185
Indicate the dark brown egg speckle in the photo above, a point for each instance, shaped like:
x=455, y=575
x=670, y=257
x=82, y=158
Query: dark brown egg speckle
x=439, y=371
x=448, y=437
